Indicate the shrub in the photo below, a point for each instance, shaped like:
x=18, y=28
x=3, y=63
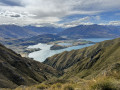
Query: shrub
x=42, y=86
x=103, y=86
x=106, y=84
x=68, y=87
x=58, y=85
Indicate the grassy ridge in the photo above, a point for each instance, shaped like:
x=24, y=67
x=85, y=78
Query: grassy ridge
x=87, y=62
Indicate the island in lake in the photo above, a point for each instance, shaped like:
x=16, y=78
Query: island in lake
x=68, y=43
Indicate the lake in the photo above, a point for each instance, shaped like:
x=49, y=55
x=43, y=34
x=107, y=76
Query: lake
x=45, y=51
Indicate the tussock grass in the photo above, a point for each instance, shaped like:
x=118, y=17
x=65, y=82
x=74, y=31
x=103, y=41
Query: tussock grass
x=68, y=87
x=103, y=84
x=42, y=86
x=59, y=86
x=108, y=81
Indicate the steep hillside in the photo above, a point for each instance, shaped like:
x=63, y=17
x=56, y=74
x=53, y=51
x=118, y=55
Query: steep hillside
x=92, y=31
x=16, y=70
x=89, y=61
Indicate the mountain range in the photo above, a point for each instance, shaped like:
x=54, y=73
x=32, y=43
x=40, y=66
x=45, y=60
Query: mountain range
x=81, y=31
x=14, y=31
x=91, y=31
x=44, y=30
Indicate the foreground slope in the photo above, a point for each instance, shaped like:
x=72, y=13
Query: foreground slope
x=16, y=70
x=88, y=62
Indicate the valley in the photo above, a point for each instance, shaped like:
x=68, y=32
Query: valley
x=46, y=52
x=20, y=45
x=94, y=64
x=51, y=61
x=54, y=44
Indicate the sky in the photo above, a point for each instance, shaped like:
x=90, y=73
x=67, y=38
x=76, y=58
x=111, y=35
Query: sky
x=60, y=13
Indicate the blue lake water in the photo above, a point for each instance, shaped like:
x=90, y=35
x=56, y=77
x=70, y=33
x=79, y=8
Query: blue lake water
x=46, y=52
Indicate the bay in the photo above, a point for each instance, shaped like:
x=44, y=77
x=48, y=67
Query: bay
x=45, y=51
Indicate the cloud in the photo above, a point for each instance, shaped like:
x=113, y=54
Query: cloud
x=11, y=2
x=52, y=11
x=7, y=14
x=116, y=23
x=76, y=22
x=97, y=17
x=16, y=15
x=82, y=21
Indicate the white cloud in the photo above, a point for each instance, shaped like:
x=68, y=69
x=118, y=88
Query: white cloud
x=81, y=21
x=97, y=17
x=116, y=23
x=51, y=11
x=76, y=22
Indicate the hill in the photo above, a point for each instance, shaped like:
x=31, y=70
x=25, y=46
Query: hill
x=44, y=30
x=45, y=38
x=91, y=31
x=88, y=62
x=14, y=31
x=16, y=70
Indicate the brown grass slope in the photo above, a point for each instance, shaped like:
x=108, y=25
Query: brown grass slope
x=88, y=62
x=16, y=70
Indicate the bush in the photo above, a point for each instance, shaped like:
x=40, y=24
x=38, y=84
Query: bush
x=103, y=86
x=58, y=85
x=68, y=87
x=42, y=86
x=106, y=84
